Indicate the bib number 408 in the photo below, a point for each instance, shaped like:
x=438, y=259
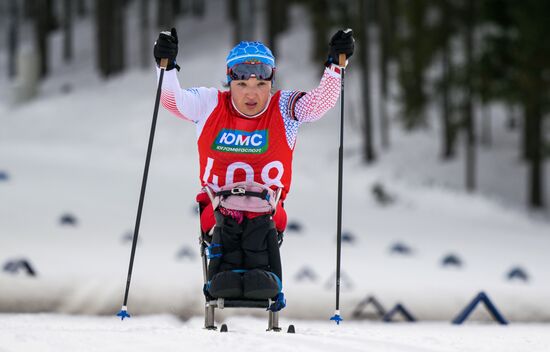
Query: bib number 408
x=249, y=172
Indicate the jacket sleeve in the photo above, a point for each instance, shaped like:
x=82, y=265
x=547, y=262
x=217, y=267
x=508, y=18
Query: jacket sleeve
x=192, y=104
x=311, y=106
x=298, y=107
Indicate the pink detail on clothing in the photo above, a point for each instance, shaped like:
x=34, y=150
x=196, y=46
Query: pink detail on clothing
x=169, y=102
x=315, y=103
x=237, y=215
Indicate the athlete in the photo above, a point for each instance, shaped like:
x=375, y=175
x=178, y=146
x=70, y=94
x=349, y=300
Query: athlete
x=248, y=133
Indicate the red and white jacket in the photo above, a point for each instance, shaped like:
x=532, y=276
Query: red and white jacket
x=234, y=147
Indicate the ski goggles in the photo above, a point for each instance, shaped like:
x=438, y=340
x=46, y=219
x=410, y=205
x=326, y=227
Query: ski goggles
x=260, y=71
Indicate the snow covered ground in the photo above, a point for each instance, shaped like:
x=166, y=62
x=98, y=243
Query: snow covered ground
x=82, y=153
x=46, y=332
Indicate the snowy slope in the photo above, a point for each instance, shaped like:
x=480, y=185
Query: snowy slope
x=83, y=153
x=47, y=333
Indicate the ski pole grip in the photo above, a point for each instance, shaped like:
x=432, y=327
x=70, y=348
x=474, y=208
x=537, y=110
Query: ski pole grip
x=163, y=63
x=342, y=60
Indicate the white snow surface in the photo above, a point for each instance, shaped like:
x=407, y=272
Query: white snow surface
x=83, y=152
x=46, y=332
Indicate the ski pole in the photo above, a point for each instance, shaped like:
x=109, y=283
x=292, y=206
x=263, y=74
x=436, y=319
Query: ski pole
x=342, y=64
x=124, y=311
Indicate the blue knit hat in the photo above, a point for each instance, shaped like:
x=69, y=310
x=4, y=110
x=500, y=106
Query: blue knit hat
x=248, y=52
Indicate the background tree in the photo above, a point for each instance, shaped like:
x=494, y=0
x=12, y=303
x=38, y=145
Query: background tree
x=198, y=8
x=276, y=21
x=110, y=26
x=414, y=53
x=532, y=55
x=445, y=32
x=495, y=64
x=28, y=9
x=242, y=13
x=469, y=120
x=321, y=25
x=166, y=14
x=386, y=37
x=145, y=41
x=67, y=30
x=81, y=8
x=13, y=36
x=364, y=20
x=44, y=23
x=516, y=51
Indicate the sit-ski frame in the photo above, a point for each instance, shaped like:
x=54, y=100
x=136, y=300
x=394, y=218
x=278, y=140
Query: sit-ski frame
x=220, y=303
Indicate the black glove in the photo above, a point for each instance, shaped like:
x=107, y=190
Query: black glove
x=341, y=43
x=166, y=47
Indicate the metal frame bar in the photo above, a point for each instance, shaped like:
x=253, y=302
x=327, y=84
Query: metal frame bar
x=273, y=322
x=210, y=306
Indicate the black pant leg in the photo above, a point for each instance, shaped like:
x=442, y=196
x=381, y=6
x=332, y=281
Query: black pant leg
x=274, y=253
x=254, y=243
x=227, y=234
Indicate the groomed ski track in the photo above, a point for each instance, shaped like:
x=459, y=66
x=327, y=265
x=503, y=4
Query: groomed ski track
x=49, y=332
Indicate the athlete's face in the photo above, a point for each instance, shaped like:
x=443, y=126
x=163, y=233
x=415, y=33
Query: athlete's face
x=250, y=96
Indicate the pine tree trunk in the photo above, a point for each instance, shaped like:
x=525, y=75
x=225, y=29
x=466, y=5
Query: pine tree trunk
x=41, y=30
x=13, y=37
x=319, y=11
x=198, y=8
x=468, y=108
x=527, y=141
x=486, y=135
x=242, y=14
x=177, y=7
x=275, y=17
x=165, y=14
x=233, y=12
x=103, y=27
x=363, y=44
x=28, y=9
x=246, y=16
x=536, y=169
x=448, y=126
x=145, y=43
x=512, y=118
x=185, y=7
x=118, y=36
x=81, y=8
x=53, y=23
x=383, y=40
x=67, y=31
x=110, y=31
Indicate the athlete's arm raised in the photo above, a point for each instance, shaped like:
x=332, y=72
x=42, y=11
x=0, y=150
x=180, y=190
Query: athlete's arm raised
x=311, y=106
x=193, y=104
x=314, y=104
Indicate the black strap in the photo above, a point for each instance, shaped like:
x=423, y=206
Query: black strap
x=240, y=191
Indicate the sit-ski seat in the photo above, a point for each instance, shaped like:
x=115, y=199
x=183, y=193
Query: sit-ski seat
x=241, y=260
